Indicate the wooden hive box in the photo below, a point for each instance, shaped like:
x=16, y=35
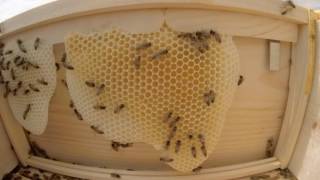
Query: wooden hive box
x=277, y=59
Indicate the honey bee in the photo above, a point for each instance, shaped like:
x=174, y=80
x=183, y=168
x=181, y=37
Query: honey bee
x=143, y=45
x=160, y=53
x=19, y=85
x=97, y=130
x=119, y=108
x=115, y=175
x=64, y=83
x=172, y=132
x=2, y=45
x=167, y=145
x=8, y=52
x=137, y=62
x=42, y=81
x=174, y=122
x=36, y=43
x=201, y=139
x=13, y=76
x=217, y=37
x=90, y=84
x=67, y=66
x=166, y=159
x=21, y=62
x=16, y=59
x=269, y=148
x=204, y=150
x=100, y=89
x=8, y=90
x=202, y=35
x=194, y=152
x=33, y=88
x=167, y=117
x=8, y=65
x=26, y=112
x=21, y=46
x=115, y=145
x=99, y=107
x=57, y=66
x=26, y=92
x=197, y=169
x=126, y=145
x=186, y=35
x=71, y=105
x=240, y=81
x=190, y=136
x=289, y=5
x=209, y=97
x=64, y=62
x=36, y=66
x=178, y=145
x=79, y=116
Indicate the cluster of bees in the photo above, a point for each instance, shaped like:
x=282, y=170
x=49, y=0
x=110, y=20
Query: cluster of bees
x=10, y=65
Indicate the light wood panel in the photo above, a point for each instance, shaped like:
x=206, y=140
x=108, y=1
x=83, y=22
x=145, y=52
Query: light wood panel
x=8, y=159
x=254, y=117
x=237, y=24
x=223, y=173
x=75, y=8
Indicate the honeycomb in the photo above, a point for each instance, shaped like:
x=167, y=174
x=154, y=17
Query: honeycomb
x=154, y=88
x=36, y=119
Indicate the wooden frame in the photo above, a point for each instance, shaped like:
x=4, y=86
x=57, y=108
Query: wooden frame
x=300, y=82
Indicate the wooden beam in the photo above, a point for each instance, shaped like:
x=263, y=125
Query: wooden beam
x=62, y=10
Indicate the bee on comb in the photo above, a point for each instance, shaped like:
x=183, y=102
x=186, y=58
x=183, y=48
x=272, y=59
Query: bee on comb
x=100, y=89
x=8, y=52
x=57, y=66
x=209, y=97
x=90, y=84
x=33, y=88
x=160, y=53
x=21, y=46
x=143, y=45
x=42, y=81
x=26, y=112
x=36, y=43
x=64, y=62
x=137, y=62
x=99, y=107
x=119, y=108
x=174, y=122
x=13, y=75
x=167, y=117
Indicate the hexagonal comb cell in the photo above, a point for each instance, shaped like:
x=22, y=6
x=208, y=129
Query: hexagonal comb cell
x=29, y=77
x=158, y=88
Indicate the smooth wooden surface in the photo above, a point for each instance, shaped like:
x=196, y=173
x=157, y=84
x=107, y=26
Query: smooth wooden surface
x=228, y=172
x=298, y=99
x=237, y=24
x=305, y=157
x=8, y=159
x=61, y=10
x=14, y=131
x=255, y=116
